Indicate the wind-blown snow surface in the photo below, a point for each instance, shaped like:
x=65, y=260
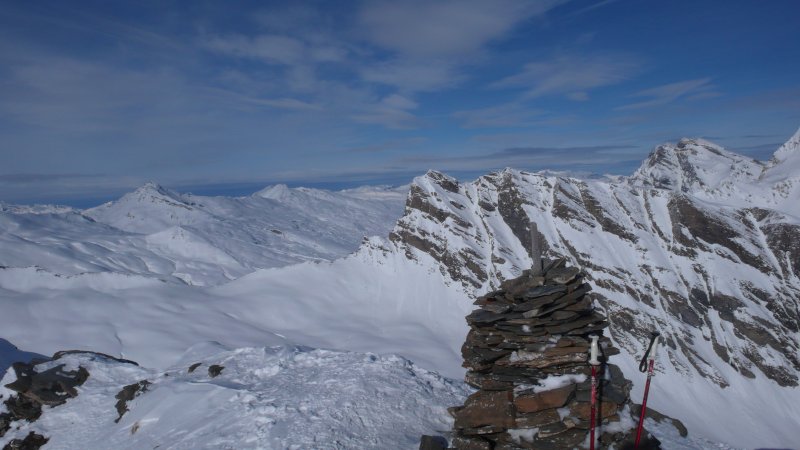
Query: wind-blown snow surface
x=199, y=240
x=369, y=301
x=726, y=300
x=283, y=397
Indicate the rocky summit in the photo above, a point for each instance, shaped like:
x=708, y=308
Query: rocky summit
x=527, y=354
x=700, y=244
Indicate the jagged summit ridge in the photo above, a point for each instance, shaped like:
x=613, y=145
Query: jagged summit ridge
x=710, y=259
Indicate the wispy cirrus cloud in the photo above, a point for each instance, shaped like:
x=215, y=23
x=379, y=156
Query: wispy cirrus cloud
x=533, y=153
x=572, y=75
x=507, y=115
x=429, y=43
x=594, y=6
x=393, y=144
x=393, y=111
x=444, y=29
x=697, y=89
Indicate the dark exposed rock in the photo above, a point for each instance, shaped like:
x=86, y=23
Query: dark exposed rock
x=32, y=441
x=93, y=355
x=50, y=387
x=708, y=229
x=581, y=410
x=636, y=410
x=486, y=409
x=127, y=394
x=22, y=408
x=450, y=184
x=5, y=423
x=194, y=366
x=594, y=207
x=214, y=370
x=555, y=398
x=471, y=443
x=784, y=240
x=432, y=443
x=509, y=205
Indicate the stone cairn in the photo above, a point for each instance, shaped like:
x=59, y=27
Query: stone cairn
x=527, y=354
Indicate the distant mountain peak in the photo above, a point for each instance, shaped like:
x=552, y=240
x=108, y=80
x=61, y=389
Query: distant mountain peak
x=692, y=164
x=274, y=192
x=153, y=189
x=151, y=186
x=445, y=181
x=788, y=149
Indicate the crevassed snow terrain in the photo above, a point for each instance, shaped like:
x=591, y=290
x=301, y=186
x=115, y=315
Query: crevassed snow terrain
x=200, y=240
x=700, y=243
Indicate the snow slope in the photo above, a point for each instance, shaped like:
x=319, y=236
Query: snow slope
x=369, y=301
x=284, y=397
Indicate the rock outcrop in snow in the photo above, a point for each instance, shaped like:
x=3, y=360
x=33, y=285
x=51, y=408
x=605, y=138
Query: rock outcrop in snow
x=279, y=397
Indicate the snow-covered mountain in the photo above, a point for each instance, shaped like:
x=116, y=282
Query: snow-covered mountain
x=200, y=240
x=700, y=243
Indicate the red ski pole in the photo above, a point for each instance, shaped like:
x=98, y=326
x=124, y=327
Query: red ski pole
x=594, y=362
x=647, y=364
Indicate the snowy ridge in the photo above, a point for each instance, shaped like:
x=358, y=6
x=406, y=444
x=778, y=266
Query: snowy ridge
x=196, y=240
x=373, y=301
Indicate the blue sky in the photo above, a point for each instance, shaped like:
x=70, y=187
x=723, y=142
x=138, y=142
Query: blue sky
x=219, y=97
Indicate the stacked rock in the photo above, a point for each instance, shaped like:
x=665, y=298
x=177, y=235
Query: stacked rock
x=527, y=354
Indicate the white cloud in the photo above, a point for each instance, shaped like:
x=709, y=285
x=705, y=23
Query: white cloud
x=661, y=95
x=451, y=28
x=429, y=42
x=399, y=102
x=571, y=75
x=506, y=115
x=592, y=7
x=578, y=96
x=270, y=48
x=411, y=76
x=392, y=112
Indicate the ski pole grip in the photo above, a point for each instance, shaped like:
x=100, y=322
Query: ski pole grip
x=593, y=351
x=654, y=352
x=650, y=354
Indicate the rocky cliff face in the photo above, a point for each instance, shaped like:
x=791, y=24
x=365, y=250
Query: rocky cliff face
x=700, y=243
